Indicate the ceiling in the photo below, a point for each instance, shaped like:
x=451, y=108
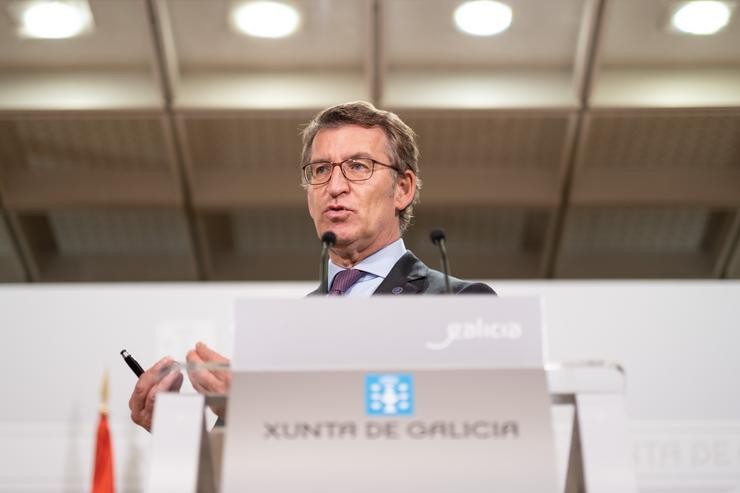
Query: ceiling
x=587, y=141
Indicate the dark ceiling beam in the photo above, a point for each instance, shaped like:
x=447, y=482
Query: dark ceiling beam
x=21, y=248
x=167, y=73
x=584, y=73
x=730, y=250
x=375, y=62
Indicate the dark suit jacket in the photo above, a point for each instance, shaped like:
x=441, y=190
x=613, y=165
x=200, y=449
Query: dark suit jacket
x=411, y=276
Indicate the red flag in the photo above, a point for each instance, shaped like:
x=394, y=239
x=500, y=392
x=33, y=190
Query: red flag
x=103, y=481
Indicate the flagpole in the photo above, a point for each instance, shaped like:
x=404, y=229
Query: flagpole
x=104, y=393
x=103, y=479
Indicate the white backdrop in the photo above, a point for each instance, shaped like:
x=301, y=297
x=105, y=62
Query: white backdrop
x=678, y=341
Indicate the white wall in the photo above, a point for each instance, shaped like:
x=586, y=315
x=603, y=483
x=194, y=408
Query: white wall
x=678, y=341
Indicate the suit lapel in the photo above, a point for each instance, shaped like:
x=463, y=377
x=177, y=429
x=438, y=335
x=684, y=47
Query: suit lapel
x=408, y=276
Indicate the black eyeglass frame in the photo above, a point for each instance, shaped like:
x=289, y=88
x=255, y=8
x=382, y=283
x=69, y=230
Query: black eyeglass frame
x=341, y=169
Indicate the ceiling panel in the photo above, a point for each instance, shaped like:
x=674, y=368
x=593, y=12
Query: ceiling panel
x=112, y=244
x=660, y=87
x=241, y=159
x=644, y=242
x=110, y=68
x=285, y=231
x=643, y=63
x=637, y=33
x=672, y=141
x=468, y=141
x=490, y=157
x=542, y=34
x=323, y=63
x=39, y=145
x=73, y=159
x=482, y=241
x=120, y=38
x=637, y=230
x=267, y=243
x=258, y=143
x=659, y=157
x=119, y=232
x=479, y=230
x=431, y=64
x=332, y=34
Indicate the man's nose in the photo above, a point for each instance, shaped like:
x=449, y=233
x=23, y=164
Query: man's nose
x=337, y=183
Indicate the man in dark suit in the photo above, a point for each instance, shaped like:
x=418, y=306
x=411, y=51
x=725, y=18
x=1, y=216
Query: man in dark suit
x=360, y=172
x=361, y=175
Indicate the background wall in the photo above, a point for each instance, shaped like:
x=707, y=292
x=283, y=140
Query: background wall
x=587, y=141
x=677, y=341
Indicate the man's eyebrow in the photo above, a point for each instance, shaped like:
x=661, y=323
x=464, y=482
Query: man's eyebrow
x=355, y=155
x=360, y=155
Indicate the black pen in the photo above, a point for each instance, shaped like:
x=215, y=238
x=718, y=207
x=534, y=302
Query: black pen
x=132, y=363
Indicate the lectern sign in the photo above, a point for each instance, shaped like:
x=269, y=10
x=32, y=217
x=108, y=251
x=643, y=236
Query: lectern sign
x=433, y=394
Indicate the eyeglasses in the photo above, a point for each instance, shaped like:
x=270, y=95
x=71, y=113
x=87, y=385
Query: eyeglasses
x=354, y=169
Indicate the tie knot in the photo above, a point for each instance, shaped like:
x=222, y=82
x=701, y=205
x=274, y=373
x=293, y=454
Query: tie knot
x=344, y=280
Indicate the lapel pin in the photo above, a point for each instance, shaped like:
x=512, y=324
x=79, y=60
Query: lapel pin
x=397, y=290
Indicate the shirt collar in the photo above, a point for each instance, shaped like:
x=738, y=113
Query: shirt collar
x=379, y=264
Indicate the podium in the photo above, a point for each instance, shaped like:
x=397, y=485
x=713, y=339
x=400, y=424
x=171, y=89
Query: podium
x=588, y=419
x=434, y=393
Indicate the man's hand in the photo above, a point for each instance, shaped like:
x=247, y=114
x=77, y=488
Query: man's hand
x=209, y=381
x=155, y=379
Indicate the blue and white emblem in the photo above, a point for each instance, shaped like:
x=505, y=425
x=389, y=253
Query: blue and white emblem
x=389, y=395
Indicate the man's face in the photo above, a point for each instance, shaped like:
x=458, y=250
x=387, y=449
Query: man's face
x=361, y=214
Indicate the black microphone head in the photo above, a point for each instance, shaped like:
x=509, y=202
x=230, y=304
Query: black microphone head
x=437, y=235
x=329, y=238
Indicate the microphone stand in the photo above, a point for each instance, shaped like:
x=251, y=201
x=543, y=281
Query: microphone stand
x=328, y=240
x=438, y=238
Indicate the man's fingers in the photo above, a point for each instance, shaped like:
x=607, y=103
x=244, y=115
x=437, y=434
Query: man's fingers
x=170, y=382
x=146, y=381
x=207, y=354
x=204, y=381
x=193, y=360
x=166, y=383
x=148, y=412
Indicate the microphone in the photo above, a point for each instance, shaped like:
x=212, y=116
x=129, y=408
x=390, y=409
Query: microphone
x=328, y=240
x=438, y=238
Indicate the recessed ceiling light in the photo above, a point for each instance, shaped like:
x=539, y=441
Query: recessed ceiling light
x=53, y=19
x=265, y=19
x=702, y=18
x=483, y=17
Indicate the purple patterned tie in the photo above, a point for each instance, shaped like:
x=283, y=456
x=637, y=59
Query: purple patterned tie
x=344, y=280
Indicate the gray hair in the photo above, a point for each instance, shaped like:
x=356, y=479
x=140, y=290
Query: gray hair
x=401, y=138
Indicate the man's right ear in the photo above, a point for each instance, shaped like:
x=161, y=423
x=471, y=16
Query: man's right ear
x=405, y=189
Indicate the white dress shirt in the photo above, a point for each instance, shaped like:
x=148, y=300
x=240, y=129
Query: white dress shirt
x=376, y=268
